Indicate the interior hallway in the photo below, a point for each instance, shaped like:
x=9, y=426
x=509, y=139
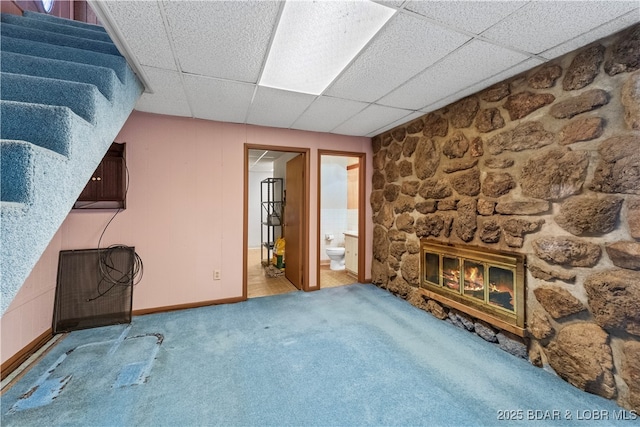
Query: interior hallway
x=259, y=285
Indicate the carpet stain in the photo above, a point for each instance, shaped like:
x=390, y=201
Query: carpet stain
x=131, y=374
x=41, y=394
x=375, y=360
x=137, y=373
x=120, y=351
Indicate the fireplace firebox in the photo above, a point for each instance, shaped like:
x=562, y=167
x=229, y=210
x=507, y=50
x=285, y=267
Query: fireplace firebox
x=484, y=283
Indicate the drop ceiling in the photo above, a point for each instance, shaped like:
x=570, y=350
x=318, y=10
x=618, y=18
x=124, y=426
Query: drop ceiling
x=204, y=59
x=262, y=160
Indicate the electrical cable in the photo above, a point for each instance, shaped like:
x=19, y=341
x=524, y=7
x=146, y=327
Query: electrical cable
x=109, y=274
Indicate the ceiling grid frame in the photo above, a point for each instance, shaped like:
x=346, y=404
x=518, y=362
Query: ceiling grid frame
x=167, y=25
x=356, y=120
x=264, y=61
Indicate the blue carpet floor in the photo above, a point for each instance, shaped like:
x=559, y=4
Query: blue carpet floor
x=352, y=355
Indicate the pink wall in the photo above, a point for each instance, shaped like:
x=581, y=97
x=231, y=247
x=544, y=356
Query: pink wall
x=184, y=216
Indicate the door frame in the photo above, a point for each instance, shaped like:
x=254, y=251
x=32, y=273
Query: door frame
x=362, y=174
x=304, y=217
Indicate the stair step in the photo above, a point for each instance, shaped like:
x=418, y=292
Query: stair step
x=6, y=207
x=47, y=126
x=37, y=49
x=68, y=30
x=16, y=163
x=58, y=20
x=56, y=39
x=82, y=98
x=104, y=79
x=19, y=160
x=48, y=152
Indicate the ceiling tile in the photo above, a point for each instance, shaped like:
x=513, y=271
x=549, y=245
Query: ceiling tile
x=541, y=25
x=472, y=16
x=474, y=62
x=390, y=3
x=277, y=108
x=370, y=119
x=610, y=27
x=325, y=113
x=402, y=49
x=224, y=39
x=143, y=29
x=170, y=99
x=221, y=100
x=420, y=61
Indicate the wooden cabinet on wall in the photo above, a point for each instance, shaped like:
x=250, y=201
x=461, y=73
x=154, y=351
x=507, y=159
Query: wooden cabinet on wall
x=106, y=188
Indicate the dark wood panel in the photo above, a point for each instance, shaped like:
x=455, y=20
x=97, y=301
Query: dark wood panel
x=10, y=7
x=61, y=8
x=78, y=10
x=34, y=6
x=112, y=186
x=83, y=12
x=90, y=191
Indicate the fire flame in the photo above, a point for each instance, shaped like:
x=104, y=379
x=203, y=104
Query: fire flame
x=472, y=274
x=474, y=280
x=451, y=278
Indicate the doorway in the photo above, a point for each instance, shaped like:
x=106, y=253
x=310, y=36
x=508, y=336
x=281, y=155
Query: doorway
x=272, y=176
x=341, y=209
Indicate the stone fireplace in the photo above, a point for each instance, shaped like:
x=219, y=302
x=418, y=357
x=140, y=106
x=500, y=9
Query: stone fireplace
x=484, y=283
x=542, y=170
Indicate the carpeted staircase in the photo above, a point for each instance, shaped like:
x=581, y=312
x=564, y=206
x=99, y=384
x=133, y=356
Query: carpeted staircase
x=65, y=93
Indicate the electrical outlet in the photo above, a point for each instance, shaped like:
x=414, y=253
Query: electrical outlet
x=216, y=274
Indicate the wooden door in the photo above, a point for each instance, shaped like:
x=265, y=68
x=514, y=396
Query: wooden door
x=112, y=185
x=293, y=221
x=90, y=192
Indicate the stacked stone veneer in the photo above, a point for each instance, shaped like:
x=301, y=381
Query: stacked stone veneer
x=546, y=164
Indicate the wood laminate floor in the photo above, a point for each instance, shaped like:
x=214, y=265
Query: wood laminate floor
x=259, y=285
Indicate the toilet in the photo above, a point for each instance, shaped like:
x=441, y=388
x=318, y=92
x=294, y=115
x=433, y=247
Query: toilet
x=336, y=255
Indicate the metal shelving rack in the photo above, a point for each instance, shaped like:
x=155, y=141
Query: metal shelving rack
x=271, y=201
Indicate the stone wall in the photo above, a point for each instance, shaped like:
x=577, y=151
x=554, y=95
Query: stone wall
x=546, y=164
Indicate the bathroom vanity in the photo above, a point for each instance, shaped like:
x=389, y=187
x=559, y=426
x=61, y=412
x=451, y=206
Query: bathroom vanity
x=351, y=252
